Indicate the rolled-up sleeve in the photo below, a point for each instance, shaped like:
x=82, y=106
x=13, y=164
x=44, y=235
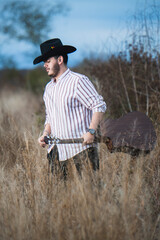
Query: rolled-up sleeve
x=88, y=96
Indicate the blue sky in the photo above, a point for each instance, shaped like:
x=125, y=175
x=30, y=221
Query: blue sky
x=92, y=26
x=95, y=25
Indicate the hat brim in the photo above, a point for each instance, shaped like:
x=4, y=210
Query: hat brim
x=65, y=49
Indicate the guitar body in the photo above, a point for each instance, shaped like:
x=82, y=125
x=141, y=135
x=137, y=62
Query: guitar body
x=132, y=133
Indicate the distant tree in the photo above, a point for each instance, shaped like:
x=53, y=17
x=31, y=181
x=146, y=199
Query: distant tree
x=144, y=26
x=28, y=20
x=144, y=29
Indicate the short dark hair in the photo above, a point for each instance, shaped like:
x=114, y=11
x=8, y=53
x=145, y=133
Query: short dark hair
x=65, y=58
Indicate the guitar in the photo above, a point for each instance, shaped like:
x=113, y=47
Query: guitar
x=132, y=133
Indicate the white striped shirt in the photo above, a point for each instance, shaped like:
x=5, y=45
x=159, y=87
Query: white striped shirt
x=70, y=103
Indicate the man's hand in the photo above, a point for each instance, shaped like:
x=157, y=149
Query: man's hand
x=96, y=118
x=41, y=141
x=88, y=138
x=46, y=132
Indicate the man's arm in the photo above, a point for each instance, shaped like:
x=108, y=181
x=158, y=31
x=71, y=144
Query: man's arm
x=96, y=119
x=47, y=131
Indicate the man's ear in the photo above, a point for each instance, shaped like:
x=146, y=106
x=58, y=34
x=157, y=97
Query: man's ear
x=60, y=60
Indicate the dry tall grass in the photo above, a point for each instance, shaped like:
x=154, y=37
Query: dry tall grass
x=121, y=201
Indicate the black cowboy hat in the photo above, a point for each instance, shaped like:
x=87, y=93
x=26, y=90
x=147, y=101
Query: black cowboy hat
x=53, y=47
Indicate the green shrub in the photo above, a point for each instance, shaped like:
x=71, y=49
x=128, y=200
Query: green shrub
x=36, y=80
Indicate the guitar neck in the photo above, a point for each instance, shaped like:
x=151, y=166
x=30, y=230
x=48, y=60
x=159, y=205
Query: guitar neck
x=49, y=140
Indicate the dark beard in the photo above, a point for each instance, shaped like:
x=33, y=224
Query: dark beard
x=56, y=70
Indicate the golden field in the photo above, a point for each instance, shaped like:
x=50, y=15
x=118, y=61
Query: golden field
x=119, y=202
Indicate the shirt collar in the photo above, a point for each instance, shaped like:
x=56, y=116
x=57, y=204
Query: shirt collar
x=62, y=76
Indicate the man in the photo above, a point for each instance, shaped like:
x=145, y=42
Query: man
x=74, y=109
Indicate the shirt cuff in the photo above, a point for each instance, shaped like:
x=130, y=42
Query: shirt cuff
x=46, y=122
x=99, y=109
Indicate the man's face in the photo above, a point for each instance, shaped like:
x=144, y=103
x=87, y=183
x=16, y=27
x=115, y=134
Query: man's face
x=52, y=67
